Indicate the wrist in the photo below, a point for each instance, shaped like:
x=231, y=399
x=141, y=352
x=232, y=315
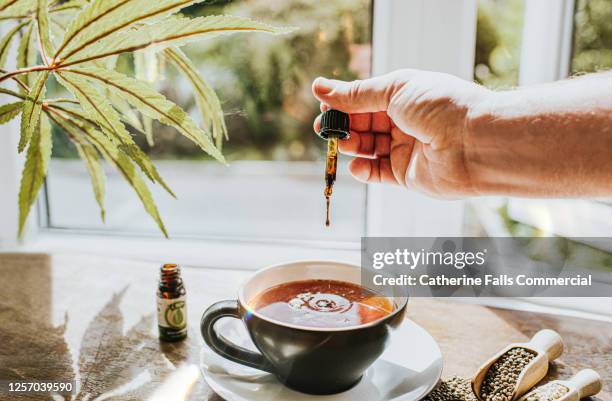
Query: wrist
x=539, y=142
x=483, y=138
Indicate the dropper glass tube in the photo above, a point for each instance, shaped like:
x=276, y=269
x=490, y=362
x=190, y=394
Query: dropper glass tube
x=330, y=173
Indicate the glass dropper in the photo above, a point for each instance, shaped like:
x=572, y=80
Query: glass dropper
x=334, y=127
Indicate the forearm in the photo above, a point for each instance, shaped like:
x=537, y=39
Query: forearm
x=547, y=141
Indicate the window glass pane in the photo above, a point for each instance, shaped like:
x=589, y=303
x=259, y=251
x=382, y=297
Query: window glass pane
x=273, y=186
x=498, y=42
x=592, y=49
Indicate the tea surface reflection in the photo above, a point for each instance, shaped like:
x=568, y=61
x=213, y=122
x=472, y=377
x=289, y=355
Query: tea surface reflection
x=322, y=304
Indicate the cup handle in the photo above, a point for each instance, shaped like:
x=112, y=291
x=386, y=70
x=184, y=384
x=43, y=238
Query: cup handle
x=222, y=346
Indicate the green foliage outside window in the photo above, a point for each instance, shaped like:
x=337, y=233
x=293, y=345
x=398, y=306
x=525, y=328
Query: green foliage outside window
x=264, y=82
x=498, y=42
x=592, y=36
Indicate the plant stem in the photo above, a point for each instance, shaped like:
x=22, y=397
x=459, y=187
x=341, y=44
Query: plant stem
x=7, y=4
x=25, y=71
x=19, y=82
x=11, y=93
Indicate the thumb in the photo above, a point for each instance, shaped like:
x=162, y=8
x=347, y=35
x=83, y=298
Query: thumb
x=361, y=96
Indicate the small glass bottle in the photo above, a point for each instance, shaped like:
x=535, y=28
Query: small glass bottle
x=171, y=306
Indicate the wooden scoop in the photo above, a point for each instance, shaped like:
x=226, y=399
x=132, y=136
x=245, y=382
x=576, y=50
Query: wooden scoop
x=585, y=383
x=547, y=345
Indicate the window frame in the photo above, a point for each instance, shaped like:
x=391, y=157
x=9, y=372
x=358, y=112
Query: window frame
x=449, y=48
x=546, y=57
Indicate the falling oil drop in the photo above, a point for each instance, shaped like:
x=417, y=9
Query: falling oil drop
x=327, y=211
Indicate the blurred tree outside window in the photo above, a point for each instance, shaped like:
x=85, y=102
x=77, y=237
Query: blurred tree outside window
x=273, y=188
x=592, y=47
x=264, y=82
x=498, y=42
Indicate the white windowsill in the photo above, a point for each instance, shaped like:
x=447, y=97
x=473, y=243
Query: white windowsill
x=210, y=253
x=217, y=254
x=583, y=308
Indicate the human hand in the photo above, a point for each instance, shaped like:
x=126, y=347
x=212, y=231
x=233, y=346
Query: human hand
x=409, y=128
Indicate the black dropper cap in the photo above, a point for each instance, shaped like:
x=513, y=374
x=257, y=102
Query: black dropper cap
x=334, y=123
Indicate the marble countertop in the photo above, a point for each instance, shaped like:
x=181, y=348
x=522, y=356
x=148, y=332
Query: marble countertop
x=74, y=317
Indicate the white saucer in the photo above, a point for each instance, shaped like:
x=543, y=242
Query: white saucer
x=408, y=369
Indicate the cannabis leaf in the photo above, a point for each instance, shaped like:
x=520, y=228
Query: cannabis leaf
x=10, y=111
x=42, y=22
x=26, y=54
x=79, y=42
x=4, y=4
x=35, y=169
x=128, y=115
x=206, y=98
x=16, y=8
x=103, y=18
x=5, y=42
x=115, y=157
x=123, y=163
x=173, y=30
x=149, y=103
x=146, y=68
x=88, y=153
x=100, y=110
x=70, y=5
x=32, y=110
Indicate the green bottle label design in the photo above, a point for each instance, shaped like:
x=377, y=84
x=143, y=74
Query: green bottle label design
x=172, y=313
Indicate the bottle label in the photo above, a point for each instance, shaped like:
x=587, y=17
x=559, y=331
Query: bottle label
x=172, y=313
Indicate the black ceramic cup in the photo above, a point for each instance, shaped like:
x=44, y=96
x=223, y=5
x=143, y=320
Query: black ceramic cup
x=307, y=359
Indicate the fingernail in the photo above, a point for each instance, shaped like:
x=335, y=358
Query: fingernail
x=360, y=170
x=362, y=175
x=324, y=85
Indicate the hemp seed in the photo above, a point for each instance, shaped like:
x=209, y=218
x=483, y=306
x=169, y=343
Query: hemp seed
x=501, y=378
x=548, y=392
x=453, y=389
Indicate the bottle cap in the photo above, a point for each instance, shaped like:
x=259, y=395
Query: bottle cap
x=334, y=123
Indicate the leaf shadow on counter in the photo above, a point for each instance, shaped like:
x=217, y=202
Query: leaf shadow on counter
x=111, y=363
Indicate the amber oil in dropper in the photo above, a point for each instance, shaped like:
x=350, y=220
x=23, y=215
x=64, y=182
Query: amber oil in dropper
x=330, y=173
x=334, y=127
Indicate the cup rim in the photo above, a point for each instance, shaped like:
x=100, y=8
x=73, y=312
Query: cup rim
x=250, y=311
